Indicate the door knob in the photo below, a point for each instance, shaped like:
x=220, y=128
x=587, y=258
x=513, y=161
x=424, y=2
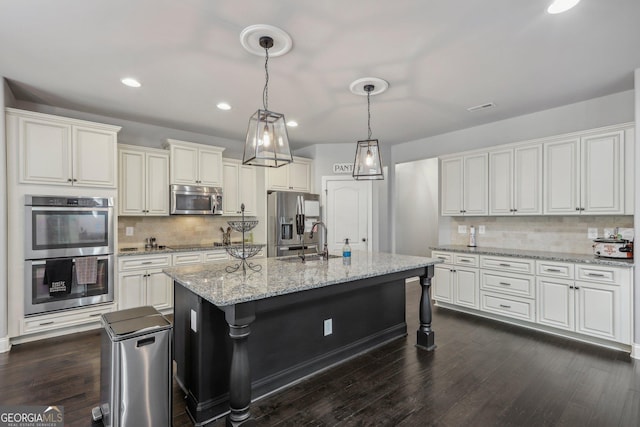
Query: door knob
x=364, y=239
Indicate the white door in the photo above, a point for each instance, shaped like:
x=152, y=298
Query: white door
x=466, y=287
x=348, y=214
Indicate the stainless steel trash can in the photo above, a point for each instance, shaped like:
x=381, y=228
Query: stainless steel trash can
x=135, y=370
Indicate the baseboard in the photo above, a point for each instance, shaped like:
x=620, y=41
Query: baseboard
x=635, y=351
x=5, y=344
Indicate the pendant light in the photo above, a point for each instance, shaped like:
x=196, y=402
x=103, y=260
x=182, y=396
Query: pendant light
x=267, y=142
x=368, y=162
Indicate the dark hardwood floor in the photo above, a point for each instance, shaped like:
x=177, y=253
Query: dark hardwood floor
x=483, y=373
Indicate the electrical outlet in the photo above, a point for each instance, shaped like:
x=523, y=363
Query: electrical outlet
x=481, y=229
x=592, y=233
x=128, y=231
x=462, y=229
x=328, y=327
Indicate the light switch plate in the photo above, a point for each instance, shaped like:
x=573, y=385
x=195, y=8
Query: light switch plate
x=592, y=233
x=481, y=229
x=462, y=229
x=129, y=231
x=328, y=327
x=194, y=321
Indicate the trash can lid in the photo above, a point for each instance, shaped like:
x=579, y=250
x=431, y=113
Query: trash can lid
x=130, y=313
x=138, y=326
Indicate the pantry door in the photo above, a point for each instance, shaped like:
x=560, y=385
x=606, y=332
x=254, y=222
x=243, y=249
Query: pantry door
x=347, y=207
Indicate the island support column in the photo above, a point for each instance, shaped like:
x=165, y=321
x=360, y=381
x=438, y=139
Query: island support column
x=239, y=317
x=425, y=335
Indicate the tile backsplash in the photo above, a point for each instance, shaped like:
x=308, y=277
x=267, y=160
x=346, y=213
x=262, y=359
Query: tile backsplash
x=539, y=233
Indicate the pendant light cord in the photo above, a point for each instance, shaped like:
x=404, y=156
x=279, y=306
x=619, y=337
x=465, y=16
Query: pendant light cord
x=265, y=91
x=369, y=113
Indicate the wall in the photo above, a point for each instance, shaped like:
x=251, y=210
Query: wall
x=636, y=311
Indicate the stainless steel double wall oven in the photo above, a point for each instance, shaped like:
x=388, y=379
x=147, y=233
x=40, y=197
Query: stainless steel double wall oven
x=68, y=252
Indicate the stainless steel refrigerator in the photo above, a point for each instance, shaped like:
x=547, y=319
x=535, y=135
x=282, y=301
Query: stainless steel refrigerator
x=289, y=216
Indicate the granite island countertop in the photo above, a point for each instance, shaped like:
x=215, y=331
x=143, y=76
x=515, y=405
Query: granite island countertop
x=168, y=249
x=542, y=255
x=279, y=277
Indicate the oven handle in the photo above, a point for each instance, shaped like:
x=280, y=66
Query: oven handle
x=173, y=202
x=43, y=262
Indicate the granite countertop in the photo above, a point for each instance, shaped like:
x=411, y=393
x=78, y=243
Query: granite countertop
x=278, y=277
x=168, y=249
x=543, y=255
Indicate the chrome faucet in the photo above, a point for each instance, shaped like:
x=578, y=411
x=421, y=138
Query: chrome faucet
x=325, y=248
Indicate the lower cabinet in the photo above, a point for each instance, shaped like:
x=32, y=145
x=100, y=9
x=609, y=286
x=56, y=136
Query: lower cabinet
x=456, y=283
x=142, y=282
x=64, y=319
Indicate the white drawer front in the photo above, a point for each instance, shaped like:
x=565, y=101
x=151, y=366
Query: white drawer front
x=512, y=284
x=187, y=258
x=508, y=306
x=513, y=265
x=147, y=261
x=216, y=256
x=561, y=270
x=467, y=260
x=446, y=257
x=589, y=273
x=65, y=319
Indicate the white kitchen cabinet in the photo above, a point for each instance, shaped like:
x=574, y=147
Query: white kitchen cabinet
x=585, y=175
x=239, y=186
x=195, y=164
x=66, y=319
x=457, y=281
x=59, y=151
x=295, y=176
x=142, y=282
x=515, y=181
x=442, y=283
x=143, y=181
x=464, y=185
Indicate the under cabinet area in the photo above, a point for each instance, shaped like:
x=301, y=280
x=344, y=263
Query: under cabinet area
x=56, y=150
x=295, y=176
x=195, y=164
x=590, y=302
x=143, y=188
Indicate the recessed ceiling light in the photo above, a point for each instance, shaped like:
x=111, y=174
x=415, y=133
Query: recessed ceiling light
x=559, y=6
x=292, y=123
x=131, y=82
x=223, y=106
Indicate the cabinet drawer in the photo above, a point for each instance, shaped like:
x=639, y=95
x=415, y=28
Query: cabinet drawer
x=65, y=319
x=512, y=284
x=187, y=258
x=446, y=257
x=515, y=307
x=467, y=260
x=147, y=261
x=560, y=270
x=600, y=274
x=514, y=265
x=216, y=256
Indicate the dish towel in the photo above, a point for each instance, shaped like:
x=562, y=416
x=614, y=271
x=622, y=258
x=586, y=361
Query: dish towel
x=58, y=275
x=86, y=270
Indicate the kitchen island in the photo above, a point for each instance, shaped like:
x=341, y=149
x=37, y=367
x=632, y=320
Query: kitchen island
x=239, y=336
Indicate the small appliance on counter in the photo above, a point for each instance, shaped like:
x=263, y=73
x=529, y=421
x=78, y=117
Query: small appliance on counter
x=618, y=245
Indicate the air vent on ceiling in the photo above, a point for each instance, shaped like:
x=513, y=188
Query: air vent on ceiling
x=481, y=107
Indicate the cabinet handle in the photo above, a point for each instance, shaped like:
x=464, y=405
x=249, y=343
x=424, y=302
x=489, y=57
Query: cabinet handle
x=553, y=270
x=504, y=265
x=441, y=257
x=95, y=314
x=146, y=262
x=505, y=306
x=577, y=209
x=576, y=287
x=504, y=283
x=69, y=180
x=571, y=287
x=581, y=209
x=595, y=275
x=465, y=260
x=75, y=180
x=46, y=323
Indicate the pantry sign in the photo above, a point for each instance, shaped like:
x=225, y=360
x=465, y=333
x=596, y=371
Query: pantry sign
x=346, y=168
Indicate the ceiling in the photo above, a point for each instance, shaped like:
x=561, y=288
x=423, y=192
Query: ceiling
x=439, y=57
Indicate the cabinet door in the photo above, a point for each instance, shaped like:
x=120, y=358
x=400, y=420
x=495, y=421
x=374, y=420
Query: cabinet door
x=157, y=184
x=278, y=178
x=466, y=286
x=555, y=303
x=562, y=177
x=527, y=180
x=602, y=190
x=210, y=167
x=248, y=189
x=476, y=187
x=94, y=157
x=598, y=309
x=442, y=287
x=159, y=290
x=230, y=190
x=299, y=176
x=501, y=182
x=131, y=289
x=45, y=152
x=451, y=186
x=131, y=189
x=184, y=165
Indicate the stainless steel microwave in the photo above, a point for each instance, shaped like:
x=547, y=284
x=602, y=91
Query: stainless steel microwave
x=195, y=200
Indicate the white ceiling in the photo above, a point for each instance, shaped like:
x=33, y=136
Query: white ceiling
x=439, y=57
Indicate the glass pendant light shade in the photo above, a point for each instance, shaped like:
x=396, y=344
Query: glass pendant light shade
x=368, y=162
x=267, y=141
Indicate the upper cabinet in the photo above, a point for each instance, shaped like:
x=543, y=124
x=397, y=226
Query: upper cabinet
x=295, y=176
x=239, y=186
x=585, y=175
x=464, y=185
x=60, y=151
x=143, y=188
x=515, y=181
x=195, y=164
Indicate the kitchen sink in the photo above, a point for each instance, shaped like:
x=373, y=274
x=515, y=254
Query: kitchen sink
x=308, y=257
